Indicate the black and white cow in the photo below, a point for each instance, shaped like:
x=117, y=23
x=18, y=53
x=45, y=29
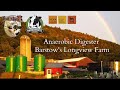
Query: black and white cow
x=34, y=24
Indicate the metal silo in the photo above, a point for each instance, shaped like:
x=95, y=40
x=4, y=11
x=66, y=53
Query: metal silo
x=21, y=63
x=39, y=62
x=10, y=64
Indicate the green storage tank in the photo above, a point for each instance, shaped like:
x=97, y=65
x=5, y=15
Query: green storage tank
x=21, y=63
x=10, y=64
x=39, y=62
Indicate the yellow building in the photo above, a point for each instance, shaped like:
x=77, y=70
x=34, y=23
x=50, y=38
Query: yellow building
x=115, y=65
x=25, y=46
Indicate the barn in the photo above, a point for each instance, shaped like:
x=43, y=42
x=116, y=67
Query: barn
x=2, y=64
x=76, y=62
x=84, y=62
x=53, y=69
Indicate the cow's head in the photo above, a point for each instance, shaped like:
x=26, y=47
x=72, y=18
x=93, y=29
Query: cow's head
x=34, y=22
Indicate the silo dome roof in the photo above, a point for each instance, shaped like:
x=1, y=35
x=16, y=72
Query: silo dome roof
x=24, y=37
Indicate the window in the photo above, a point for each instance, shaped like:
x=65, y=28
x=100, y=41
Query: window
x=49, y=71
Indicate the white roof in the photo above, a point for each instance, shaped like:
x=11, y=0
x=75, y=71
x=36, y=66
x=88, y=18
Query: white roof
x=69, y=66
x=70, y=60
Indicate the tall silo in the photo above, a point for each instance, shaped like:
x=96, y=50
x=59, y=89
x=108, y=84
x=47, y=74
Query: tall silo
x=25, y=46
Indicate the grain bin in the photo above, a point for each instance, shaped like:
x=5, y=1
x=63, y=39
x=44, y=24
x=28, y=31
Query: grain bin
x=10, y=64
x=21, y=63
x=39, y=62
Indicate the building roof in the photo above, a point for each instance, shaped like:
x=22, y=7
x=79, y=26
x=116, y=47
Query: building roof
x=69, y=65
x=24, y=37
x=2, y=62
x=74, y=60
x=31, y=63
x=54, y=65
x=70, y=60
x=1, y=66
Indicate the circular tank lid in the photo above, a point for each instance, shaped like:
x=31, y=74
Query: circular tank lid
x=39, y=55
x=10, y=56
x=21, y=55
x=24, y=37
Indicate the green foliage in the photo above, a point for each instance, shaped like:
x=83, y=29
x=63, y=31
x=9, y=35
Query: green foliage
x=62, y=76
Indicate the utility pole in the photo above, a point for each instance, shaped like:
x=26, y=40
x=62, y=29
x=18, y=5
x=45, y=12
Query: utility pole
x=102, y=67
